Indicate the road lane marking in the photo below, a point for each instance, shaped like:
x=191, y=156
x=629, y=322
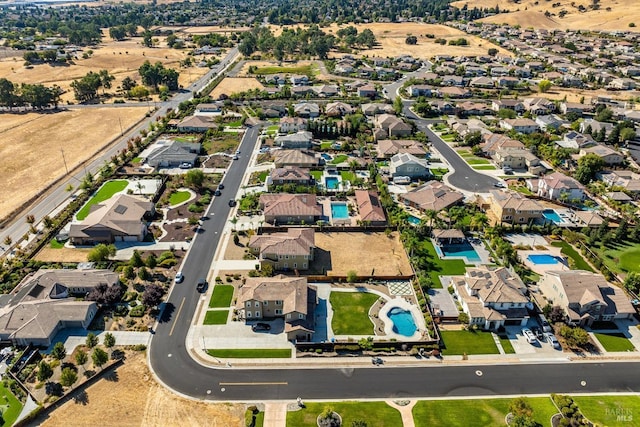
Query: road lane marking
x=177, y=316
x=258, y=384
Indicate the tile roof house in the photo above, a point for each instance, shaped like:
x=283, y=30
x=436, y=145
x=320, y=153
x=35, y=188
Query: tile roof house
x=405, y=164
x=290, y=298
x=173, y=154
x=369, y=207
x=300, y=139
x=554, y=185
x=393, y=125
x=289, y=175
x=301, y=158
x=338, y=109
x=292, y=124
x=386, y=148
x=525, y=126
x=512, y=207
x=585, y=297
x=595, y=126
x=539, y=106
x=434, y=196
x=376, y=108
x=197, y=124
x=291, y=250
x=119, y=219
x=494, y=142
x=290, y=208
x=626, y=179
x=609, y=156
x=518, y=159
x=307, y=110
x=44, y=303
x=492, y=298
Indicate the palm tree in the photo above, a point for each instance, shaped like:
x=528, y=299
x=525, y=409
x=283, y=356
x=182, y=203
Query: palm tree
x=431, y=215
x=479, y=221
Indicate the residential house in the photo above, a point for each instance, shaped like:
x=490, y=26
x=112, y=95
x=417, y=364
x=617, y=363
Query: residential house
x=623, y=83
x=376, y=108
x=289, y=298
x=118, y=219
x=393, y=125
x=609, y=156
x=525, y=126
x=367, y=91
x=539, y=106
x=290, y=250
x=407, y=165
x=469, y=108
x=575, y=140
x=557, y=186
x=290, y=175
x=512, y=207
x=628, y=180
x=209, y=108
x=275, y=79
x=197, y=124
x=292, y=124
x=369, y=207
x=482, y=82
x=325, y=91
x=432, y=196
x=307, y=110
x=518, y=159
x=170, y=154
x=453, y=92
x=338, y=109
x=550, y=121
x=290, y=208
x=507, y=82
x=594, y=127
x=387, y=148
x=576, y=107
x=492, y=298
x=507, y=104
x=301, y=158
x=299, y=80
x=300, y=139
x=493, y=142
x=420, y=90
x=585, y=297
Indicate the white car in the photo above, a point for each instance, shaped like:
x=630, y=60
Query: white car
x=551, y=339
x=179, y=277
x=529, y=335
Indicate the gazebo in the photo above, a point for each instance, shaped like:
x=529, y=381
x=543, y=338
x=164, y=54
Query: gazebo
x=449, y=236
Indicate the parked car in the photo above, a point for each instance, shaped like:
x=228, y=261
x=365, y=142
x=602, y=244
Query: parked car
x=260, y=326
x=232, y=203
x=185, y=165
x=551, y=339
x=538, y=333
x=221, y=187
x=179, y=277
x=202, y=285
x=217, y=193
x=531, y=338
x=546, y=327
x=235, y=157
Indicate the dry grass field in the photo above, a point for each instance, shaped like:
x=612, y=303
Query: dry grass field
x=529, y=14
x=231, y=85
x=135, y=399
x=391, y=38
x=31, y=144
x=364, y=252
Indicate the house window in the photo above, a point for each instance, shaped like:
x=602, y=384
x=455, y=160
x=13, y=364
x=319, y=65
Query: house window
x=286, y=257
x=278, y=311
x=300, y=316
x=278, y=302
x=288, y=315
x=257, y=303
x=248, y=303
x=257, y=314
x=295, y=265
x=248, y=314
x=304, y=265
x=265, y=303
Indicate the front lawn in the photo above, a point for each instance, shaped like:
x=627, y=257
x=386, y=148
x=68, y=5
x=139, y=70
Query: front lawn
x=469, y=342
x=222, y=295
x=610, y=411
x=439, y=171
x=377, y=414
x=10, y=406
x=178, y=197
x=250, y=353
x=351, y=312
x=578, y=261
x=615, y=342
x=216, y=317
x=440, y=267
x=476, y=412
x=340, y=158
x=476, y=161
x=484, y=167
x=55, y=244
x=249, y=418
x=506, y=345
x=105, y=192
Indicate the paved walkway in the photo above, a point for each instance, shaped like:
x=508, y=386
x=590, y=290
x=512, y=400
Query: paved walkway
x=275, y=414
x=29, y=406
x=405, y=412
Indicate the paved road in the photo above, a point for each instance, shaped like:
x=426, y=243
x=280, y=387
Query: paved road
x=56, y=196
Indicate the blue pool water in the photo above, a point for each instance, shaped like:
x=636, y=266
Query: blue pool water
x=339, y=211
x=403, y=322
x=542, y=259
x=461, y=250
x=551, y=215
x=331, y=182
x=326, y=156
x=413, y=220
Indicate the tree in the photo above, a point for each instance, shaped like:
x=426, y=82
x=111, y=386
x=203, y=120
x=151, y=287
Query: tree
x=151, y=261
x=92, y=340
x=138, y=92
x=59, y=352
x=101, y=252
x=152, y=295
x=352, y=276
x=109, y=340
x=144, y=274
x=44, y=371
x=81, y=358
x=632, y=282
x=411, y=40
x=194, y=178
x=588, y=166
x=397, y=105
x=128, y=83
x=147, y=39
x=627, y=134
x=128, y=272
x=520, y=406
x=524, y=421
x=492, y=51
x=544, y=86
x=68, y=377
x=136, y=259
x=575, y=337
x=472, y=139
x=99, y=357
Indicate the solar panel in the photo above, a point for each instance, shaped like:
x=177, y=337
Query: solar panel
x=120, y=209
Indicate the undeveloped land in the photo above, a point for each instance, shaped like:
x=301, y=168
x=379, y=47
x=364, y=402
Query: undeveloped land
x=366, y=253
x=135, y=399
x=32, y=143
x=231, y=85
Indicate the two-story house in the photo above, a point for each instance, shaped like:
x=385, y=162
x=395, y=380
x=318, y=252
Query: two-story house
x=292, y=124
x=300, y=139
x=291, y=250
x=525, y=126
x=432, y=196
x=512, y=207
x=405, y=164
x=557, y=186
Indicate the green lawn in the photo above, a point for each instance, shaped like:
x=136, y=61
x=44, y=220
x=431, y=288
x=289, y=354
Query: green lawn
x=441, y=267
x=484, y=167
x=476, y=161
x=178, y=197
x=339, y=159
x=263, y=176
x=348, y=176
x=250, y=353
x=54, y=244
x=9, y=405
x=476, y=412
x=469, y=342
x=248, y=417
x=610, y=411
x=521, y=189
x=301, y=69
x=222, y=295
x=136, y=160
x=448, y=137
x=216, y=317
x=377, y=414
x=620, y=257
x=325, y=145
x=317, y=175
x=351, y=312
x=506, y=346
x=104, y=193
x=273, y=128
x=578, y=261
x=615, y=342
x=439, y=171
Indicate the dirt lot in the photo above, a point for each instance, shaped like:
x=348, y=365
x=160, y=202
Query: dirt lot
x=391, y=38
x=135, y=399
x=50, y=254
x=363, y=252
x=231, y=85
x=31, y=144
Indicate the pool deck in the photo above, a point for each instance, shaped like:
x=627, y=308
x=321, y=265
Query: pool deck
x=543, y=268
x=405, y=305
x=326, y=208
x=477, y=245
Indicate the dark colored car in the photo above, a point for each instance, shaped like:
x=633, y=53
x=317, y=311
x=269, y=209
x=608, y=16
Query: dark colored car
x=217, y=193
x=232, y=203
x=202, y=285
x=261, y=327
x=221, y=187
x=538, y=332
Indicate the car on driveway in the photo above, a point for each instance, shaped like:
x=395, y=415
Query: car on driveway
x=260, y=326
x=179, y=277
x=202, y=285
x=538, y=333
x=531, y=338
x=551, y=339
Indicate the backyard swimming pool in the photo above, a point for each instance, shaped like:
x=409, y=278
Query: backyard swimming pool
x=403, y=322
x=339, y=211
x=413, y=220
x=552, y=215
x=331, y=182
x=459, y=250
x=542, y=259
x=326, y=156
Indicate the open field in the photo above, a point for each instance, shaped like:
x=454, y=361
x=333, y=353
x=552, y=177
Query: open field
x=231, y=85
x=31, y=144
x=391, y=38
x=530, y=13
x=365, y=253
x=135, y=399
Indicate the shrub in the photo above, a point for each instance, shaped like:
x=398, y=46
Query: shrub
x=137, y=311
